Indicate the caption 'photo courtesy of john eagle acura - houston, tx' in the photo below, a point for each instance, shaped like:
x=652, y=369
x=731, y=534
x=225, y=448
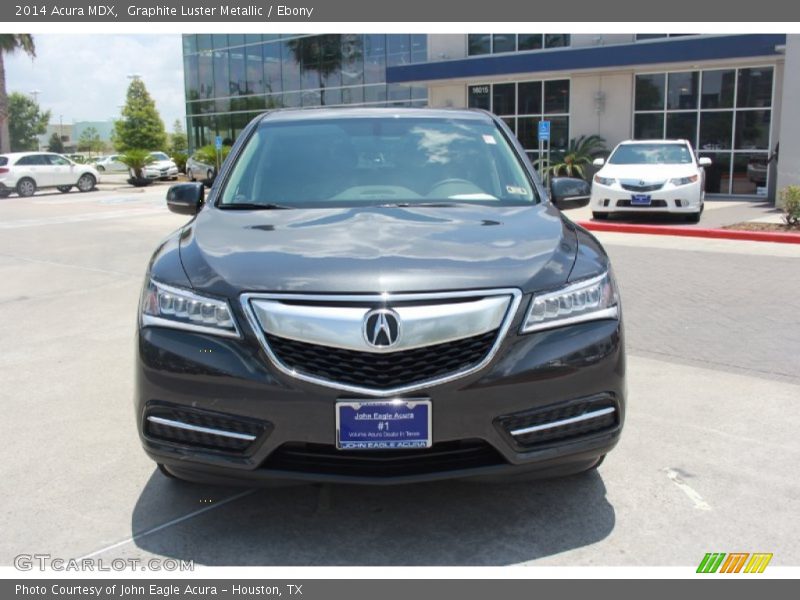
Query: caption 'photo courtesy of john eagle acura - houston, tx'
x=378, y=296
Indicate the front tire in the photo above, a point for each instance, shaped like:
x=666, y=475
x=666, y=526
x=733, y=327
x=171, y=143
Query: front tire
x=86, y=182
x=5, y=194
x=694, y=217
x=190, y=175
x=599, y=216
x=64, y=188
x=26, y=187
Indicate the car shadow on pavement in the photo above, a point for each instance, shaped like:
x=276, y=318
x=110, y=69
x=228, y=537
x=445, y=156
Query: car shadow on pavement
x=441, y=523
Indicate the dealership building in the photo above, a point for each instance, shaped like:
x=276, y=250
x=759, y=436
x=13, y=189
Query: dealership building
x=732, y=96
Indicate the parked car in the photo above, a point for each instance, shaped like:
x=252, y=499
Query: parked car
x=111, y=164
x=26, y=172
x=378, y=296
x=650, y=176
x=197, y=169
x=162, y=167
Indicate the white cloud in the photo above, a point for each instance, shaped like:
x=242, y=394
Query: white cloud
x=83, y=77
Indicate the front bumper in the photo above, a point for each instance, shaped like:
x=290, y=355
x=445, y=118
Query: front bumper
x=684, y=199
x=293, y=422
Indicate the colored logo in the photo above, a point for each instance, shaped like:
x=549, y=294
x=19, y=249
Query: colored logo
x=735, y=562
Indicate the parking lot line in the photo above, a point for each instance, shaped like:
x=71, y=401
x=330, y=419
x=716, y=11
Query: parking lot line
x=696, y=498
x=169, y=523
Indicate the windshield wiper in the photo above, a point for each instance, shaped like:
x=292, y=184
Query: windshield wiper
x=413, y=204
x=254, y=206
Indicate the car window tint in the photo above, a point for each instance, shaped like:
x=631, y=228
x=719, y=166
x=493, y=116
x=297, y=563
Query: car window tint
x=33, y=160
x=323, y=162
x=651, y=154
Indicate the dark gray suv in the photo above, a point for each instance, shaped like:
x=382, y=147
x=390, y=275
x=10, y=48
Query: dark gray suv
x=378, y=296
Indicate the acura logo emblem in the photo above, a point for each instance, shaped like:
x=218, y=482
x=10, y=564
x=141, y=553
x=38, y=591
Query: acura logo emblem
x=642, y=182
x=382, y=328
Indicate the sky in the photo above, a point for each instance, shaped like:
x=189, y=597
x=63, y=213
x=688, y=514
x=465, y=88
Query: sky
x=83, y=77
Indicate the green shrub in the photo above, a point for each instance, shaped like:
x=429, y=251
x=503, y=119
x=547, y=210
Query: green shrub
x=136, y=160
x=790, y=203
x=208, y=154
x=180, y=158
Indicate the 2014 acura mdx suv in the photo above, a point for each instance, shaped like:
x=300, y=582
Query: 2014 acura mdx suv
x=378, y=296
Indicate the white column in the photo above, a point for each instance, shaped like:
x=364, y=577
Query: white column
x=789, y=132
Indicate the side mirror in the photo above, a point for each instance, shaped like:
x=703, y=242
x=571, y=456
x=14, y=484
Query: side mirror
x=704, y=161
x=569, y=192
x=599, y=162
x=185, y=198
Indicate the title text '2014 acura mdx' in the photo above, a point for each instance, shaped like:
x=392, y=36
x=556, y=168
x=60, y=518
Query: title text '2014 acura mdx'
x=378, y=296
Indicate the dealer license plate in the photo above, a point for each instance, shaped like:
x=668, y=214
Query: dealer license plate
x=383, y=424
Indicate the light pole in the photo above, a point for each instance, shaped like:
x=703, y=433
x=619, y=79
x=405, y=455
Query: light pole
x=35, y=94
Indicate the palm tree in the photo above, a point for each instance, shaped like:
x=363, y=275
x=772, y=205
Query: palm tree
x=10, y=43
x=573, y=160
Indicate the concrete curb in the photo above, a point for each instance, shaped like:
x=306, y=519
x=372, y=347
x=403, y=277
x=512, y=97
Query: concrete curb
x=725, y=234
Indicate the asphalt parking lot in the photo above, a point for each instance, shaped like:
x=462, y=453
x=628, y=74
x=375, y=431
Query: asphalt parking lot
x=707, y=462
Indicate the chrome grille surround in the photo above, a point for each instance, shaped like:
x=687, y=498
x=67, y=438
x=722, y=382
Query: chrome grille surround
x=438, y=302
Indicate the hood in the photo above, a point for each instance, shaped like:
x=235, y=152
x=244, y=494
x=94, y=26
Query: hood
x=378, y=249
x=647, y=172
x=160, y=164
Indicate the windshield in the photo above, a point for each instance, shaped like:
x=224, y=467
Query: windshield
x=159, y=156
x=376, y=161
x=651, y=154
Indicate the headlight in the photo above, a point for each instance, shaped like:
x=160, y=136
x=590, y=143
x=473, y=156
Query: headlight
x=604, y=180
x=167, y=306
x=587, y=300
x=683, y=180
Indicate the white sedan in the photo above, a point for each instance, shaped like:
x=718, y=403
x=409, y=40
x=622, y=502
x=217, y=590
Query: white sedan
x=26, y=172
x=162, y=167
x=650, y=176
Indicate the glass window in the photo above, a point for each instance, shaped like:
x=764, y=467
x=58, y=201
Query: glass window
x=254, y=69
x=189, y=43
x=253, y=38
x=290, y=65
x=682, y=90
x=556, y=40
x=530, y=41
x=649, y=36
x=203, y=42
x=749, y=173
x=190, y=75
x=559, y=132
x=478, y=96
x=399, y=50
x=219, y=41
x=398, y=92
x=354, y=95
x=682, y=126
x=419, y=48
x=650, y=92
x=205, y=75
x=352, y=60
x=333, y=162
x=503, y=99
x=718, y=88
x=271, y=57
x=752, y=130
x=657, y=153
x=238, y=76
x=374, y=58
x=375, y=93
x=715, y=130
x=479, y=43
x=556, y=96
x=221, y=74
x=648, y=126
x=235, y=39
x=755, y=88
x=528, y=132
x=529, y=98
x=718, y=175
x=504, y=42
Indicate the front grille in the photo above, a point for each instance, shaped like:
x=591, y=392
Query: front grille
x=202, y=429
x=650, y=187
x=382, y=371
x=559, y=423
x=327, y=460
x=653, y=204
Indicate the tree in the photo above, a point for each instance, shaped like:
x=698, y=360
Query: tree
x=55, y=144
x=25, y=122
x=10, y=43
x=141, y=126
x=136, y=160
x=573, y=160
x=179, y=142
x=321, y=53
x=89, y=141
